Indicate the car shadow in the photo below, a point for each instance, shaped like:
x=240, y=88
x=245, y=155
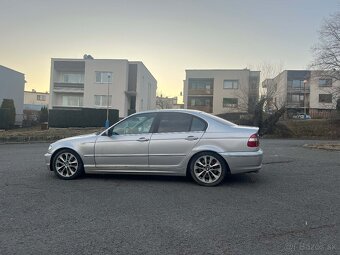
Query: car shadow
x=236, y=179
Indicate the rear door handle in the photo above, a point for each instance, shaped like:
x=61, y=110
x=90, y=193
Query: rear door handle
x=143, y=139
x=191, y=138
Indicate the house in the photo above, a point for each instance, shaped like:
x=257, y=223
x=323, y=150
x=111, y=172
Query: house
x=168, y=103
x=302, y=91
x=34, y=100
x=12, y=85
x=102, y=83
x=221, y=91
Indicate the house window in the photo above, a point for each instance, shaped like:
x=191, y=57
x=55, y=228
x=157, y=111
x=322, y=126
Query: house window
x=104, y=77
x=230, y=84
x=230, y=102
x=101, y=100
x=41, y=97
x=325, y=82
x=72, y=100
x=200, y=101
x=72, y=77
x=325, y=98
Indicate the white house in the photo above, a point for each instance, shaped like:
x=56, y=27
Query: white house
x=34, y=100
x=12, y=85
x=99, y=83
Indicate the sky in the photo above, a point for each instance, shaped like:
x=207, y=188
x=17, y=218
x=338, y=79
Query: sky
x=168, y=36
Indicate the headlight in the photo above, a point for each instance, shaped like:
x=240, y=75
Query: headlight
x=49, y=148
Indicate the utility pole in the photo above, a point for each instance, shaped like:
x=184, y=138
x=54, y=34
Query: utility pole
x=107, y=122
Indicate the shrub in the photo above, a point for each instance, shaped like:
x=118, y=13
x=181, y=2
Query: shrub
x=43, y=116
x=4, y=118
x=83, y=117
x=9, y=104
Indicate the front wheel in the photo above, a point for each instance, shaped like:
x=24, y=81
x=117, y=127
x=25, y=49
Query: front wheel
x=208, y=169
x=67, y=165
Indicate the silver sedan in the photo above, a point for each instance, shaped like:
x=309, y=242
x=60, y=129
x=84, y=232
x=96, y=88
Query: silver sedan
x=165, y=142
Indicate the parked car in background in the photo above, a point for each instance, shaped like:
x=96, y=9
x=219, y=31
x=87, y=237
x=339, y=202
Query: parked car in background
x=165, y=142
x=301, y=116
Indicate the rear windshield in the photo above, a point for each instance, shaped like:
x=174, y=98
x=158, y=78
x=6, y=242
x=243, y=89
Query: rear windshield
x=218, y=119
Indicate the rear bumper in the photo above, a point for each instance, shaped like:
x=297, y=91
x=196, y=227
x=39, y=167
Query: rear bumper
x=48, y=160
x=243, y=162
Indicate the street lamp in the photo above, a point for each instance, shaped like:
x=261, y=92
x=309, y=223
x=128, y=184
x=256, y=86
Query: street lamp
x=107, y=122
x=304, y=99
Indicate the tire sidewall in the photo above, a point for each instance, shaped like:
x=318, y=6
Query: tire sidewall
x=215, y=155
x=79, y=171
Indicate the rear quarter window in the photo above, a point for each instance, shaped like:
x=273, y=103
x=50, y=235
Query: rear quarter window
x=198, y=124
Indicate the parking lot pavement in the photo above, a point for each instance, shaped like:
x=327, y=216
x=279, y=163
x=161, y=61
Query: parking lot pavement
x=290, y=207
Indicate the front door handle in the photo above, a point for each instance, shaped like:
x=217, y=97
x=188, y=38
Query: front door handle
x=143, y=139
x=191, y=138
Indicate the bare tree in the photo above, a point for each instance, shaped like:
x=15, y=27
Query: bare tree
x=327, y=52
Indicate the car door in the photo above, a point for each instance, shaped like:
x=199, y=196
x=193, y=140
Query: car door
x=126, y=147
x=174, y=138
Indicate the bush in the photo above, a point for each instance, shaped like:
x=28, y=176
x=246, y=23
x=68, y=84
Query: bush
x=43, y=116
x=9, y=104
x=83, y=117
x=4, y=118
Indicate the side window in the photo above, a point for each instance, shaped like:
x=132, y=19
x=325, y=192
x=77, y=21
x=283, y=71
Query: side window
x=198, y=124
x=137, y=124
x=174, y=122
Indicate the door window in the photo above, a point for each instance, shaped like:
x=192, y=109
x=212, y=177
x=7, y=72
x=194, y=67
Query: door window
x=174, y=122
x=137, y=124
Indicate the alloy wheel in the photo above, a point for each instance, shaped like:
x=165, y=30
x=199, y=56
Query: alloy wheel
x=207, y=169
x=66, y=164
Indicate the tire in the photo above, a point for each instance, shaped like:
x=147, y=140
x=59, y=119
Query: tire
x=67, y=165
x=208, y=168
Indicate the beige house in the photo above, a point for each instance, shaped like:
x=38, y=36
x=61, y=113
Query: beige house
x=100, y=83
x=302, y=91
x=34, y=100
x=221, y=91
x=168, y=103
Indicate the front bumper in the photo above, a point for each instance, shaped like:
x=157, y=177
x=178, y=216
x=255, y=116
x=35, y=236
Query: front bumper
x=48, y=160
x=243, y=162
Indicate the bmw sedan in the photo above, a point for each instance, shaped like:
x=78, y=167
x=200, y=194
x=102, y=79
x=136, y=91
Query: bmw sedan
x=164, y=142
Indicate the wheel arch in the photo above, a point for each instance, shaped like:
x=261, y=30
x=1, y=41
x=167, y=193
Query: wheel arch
x=60, y=149
x=211, y=151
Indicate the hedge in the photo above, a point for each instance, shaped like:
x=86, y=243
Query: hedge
x=83, y=117
x=4, y=118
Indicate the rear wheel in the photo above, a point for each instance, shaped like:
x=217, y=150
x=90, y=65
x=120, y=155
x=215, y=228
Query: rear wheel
x=67, y=165
x=208, y=168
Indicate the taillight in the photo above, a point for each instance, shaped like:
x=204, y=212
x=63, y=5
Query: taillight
x=253, y=141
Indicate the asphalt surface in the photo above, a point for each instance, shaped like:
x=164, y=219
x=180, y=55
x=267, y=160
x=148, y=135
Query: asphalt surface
x=290, y=207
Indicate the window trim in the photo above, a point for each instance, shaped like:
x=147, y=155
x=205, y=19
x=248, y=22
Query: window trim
x=331, y=97
x=230, y=105
x=101, y=82
x=237, y=81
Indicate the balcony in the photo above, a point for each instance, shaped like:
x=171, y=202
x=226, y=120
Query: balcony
x=68, y=87
x=298, y=89
x=297, y=104
x=200, y=92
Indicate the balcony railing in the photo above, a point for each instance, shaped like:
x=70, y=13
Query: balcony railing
x=297, y=104
x=299, y=90
x=200, y=92
x=67, y=87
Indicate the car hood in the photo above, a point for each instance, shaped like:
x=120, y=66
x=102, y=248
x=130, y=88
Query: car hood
x=78, y=137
